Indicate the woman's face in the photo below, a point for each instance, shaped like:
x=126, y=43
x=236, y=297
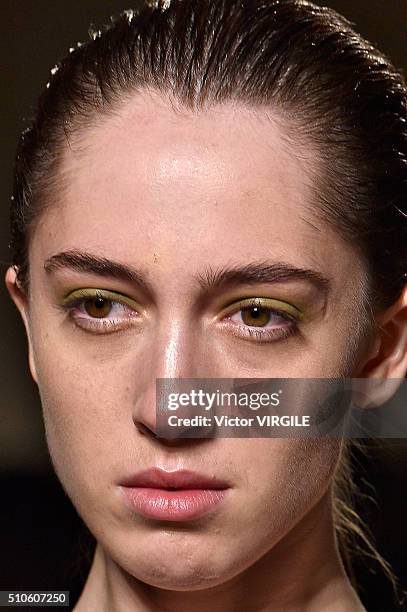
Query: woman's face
x=180, y=199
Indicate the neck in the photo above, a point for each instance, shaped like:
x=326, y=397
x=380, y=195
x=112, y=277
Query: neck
x=302, y=572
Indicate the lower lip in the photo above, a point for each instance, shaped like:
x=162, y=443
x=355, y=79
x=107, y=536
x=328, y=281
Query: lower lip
x=167, y=505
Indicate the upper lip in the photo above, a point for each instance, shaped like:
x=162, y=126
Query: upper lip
x=180, y=479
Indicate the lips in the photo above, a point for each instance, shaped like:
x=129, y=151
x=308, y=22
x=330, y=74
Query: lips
x=180, y=479
x=173, y=496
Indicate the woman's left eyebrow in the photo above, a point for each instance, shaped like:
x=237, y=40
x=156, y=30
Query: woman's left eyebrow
x=262, y=272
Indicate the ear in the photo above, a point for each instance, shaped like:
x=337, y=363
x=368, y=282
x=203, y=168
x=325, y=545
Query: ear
x=20, y=299
x=385, y=365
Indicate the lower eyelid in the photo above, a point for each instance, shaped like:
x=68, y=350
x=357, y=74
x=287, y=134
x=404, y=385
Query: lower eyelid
x=102, y=325
x=289, y=326
x=259, y=335
x=83, y=320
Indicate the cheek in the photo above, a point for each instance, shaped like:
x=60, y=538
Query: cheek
x=279, y=500
x=87, y=415
x=286, y=477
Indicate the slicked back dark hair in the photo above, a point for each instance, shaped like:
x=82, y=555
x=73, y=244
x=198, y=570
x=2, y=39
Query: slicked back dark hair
x=330, y=86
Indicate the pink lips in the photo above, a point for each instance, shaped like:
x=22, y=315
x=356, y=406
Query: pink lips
x=172, y=496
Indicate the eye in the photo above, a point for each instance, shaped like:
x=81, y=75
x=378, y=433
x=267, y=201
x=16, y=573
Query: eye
x=263, y=319
x=100, y=311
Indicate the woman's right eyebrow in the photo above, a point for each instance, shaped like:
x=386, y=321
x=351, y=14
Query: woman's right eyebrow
x=257, y=272
x=93, y=263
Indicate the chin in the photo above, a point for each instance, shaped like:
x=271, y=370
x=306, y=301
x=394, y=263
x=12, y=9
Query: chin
x=188, y=567
x=181, y=576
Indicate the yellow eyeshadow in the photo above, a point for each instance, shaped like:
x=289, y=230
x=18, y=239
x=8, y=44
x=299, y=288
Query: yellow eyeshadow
x=273, y=304
x=95, y=293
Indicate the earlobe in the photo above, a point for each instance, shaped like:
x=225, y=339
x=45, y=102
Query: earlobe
x=387, y=359
x=20, y=299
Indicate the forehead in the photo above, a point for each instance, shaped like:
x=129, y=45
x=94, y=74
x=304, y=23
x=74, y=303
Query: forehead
x=225, y=184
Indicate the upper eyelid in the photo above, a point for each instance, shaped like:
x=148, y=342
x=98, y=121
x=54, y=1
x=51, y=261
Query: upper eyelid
x=90, y=292
x=81, y=295
x=276, y=306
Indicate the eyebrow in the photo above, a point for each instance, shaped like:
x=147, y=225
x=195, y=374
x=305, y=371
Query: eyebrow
x=210, y=279
x=97, y=264
x=262, y=272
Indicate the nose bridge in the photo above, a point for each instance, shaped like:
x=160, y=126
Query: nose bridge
x=173, y=353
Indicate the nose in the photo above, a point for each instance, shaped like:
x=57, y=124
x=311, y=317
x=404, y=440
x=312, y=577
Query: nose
x=177, y=354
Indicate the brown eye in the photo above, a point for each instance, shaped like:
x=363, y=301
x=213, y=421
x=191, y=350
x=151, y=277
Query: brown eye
x=98, y=307
x=256, y=316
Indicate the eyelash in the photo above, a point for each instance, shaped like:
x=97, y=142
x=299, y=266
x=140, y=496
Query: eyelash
x=99, y=326
x=262, y=334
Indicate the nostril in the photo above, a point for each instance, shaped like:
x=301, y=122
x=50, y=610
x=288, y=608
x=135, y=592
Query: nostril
x=144, y=430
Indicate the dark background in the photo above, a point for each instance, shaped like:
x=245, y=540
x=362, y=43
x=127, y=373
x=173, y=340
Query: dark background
x=41, y=536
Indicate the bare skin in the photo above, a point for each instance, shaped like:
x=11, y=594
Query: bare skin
x=175, y=196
